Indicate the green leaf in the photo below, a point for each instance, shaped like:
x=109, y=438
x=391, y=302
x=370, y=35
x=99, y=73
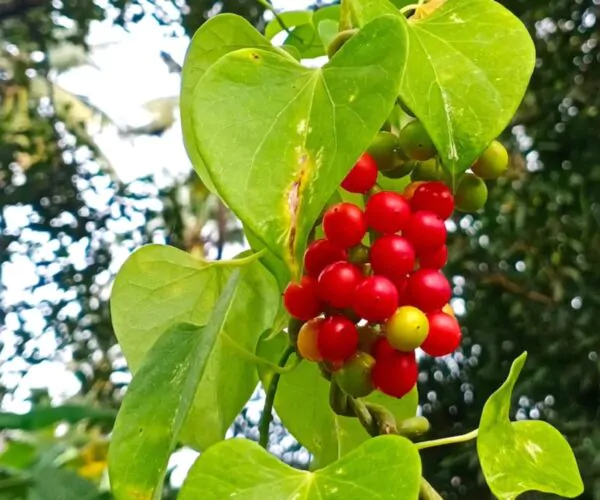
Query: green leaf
x=383, y=467
x=291, y=19
x=160, y=286
x=52, y=483
x=525, y=455
x=158, y=401
x=328, y=30
x=297, y=125
x=215, y=38
x=40, y=417
x=326, y=435
x=467, y=70
x=18, y=455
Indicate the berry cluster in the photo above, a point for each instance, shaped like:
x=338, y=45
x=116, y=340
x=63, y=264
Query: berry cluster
x=368, y=309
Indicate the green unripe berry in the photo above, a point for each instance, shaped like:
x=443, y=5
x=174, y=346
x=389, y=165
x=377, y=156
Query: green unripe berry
x=383, y=150
x=471, y=193
x=430, y=170
x=415, y=142
x=340, y=39
x=358, y=254
x=354, y=378
x=492, y=163
x=402, y=169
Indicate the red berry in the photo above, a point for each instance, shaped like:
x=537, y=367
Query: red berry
x=321, y=253
x=395, y=374
x=382, y=347
x=444, y=334
x=344, y=225
x=434, y=259
x=428, y=290
x=435, y=197
x=401, y=284
x=301, y=299
x=375, y=299
x=363, y=175
x=392, y=256
x=387, y=212
x=338, y=339
x=337, y=283
x=426, y=231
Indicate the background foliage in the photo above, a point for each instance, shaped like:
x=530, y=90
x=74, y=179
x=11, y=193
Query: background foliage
x=524, y=270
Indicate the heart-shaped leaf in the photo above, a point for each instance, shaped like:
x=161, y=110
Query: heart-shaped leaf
x=464, y=95
x=158, y=401
x=383, y=467
x=526, y=455
x=215, y=38
x=281, y=137
x=313, y=423
x=160, y=286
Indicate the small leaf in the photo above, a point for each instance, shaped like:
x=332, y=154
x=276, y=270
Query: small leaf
x=160, y=286
x=328, y=30
x=53, y=483
x=313, y=423
x=468, y=67
x=297, y=125
x=158, y=401
x=383, y=467
x=41, y=417
x=215, y=38
x=526, y=455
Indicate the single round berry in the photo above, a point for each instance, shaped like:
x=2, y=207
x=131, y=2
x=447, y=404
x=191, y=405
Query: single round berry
x=321, y=253
x=367, y=336
x=354, y=378
x=306, y=343
x=375, y=299
x=444, y=334
x=338, y=339
x=430, y=170
x=392, y=256
x=434, y=259
x=387, y=212
x=383, y=150
x=401, y=284
x=358, y=255
x=435, y=197
x=492, y=163
x=382, y=347
x=409, y=190
x=337, y=283
x=363, y=175
x=302, y=299
x=426, y=231
x=339, y=41
x=396, y=375
x=344, y=225
x=428, y=290
x=471, y=193
x=415, y=142
x=407, y=328
x=401, y=168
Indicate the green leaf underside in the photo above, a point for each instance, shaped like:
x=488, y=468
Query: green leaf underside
x=326, y=435
x=382, y=468
x=307, y=37
x=527, y=455
x=160, y=286
x=281, y=137
x=158, y=401
x=464, y=95
x=215, y=38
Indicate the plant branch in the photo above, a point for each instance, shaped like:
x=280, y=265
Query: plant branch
x=271, y=390
x=267, y=5
x=512, y=287
x=19, y=7
x=427, y=492
x=449, y=440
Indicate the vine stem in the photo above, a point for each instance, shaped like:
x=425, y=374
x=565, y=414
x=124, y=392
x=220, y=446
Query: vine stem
x=449, y=440
x=271, y=390
x=427, y=492
x=267, y=5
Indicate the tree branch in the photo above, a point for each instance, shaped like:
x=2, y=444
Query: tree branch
x=18, y=7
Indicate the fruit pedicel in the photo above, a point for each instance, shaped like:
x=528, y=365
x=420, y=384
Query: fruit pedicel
x=373, y=290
